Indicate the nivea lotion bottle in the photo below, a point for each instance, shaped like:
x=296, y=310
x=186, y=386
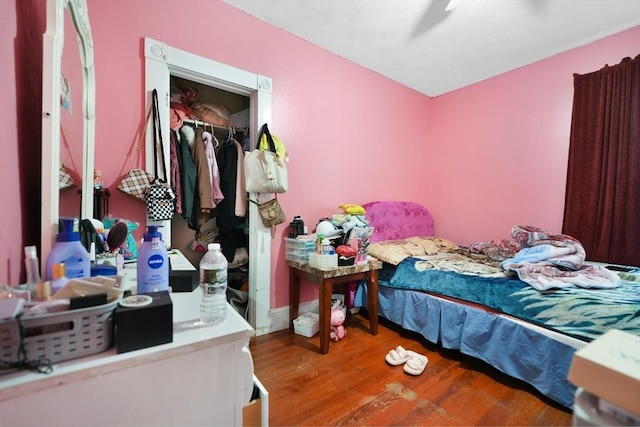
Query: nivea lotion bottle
x=153, y=263
x=68, y=250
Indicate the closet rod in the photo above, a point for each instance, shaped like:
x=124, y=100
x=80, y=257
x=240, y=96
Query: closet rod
x=200, y=122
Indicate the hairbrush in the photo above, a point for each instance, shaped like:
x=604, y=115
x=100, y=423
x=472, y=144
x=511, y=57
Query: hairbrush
x=117, y=235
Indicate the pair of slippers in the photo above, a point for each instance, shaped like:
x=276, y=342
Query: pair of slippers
x=414, y=363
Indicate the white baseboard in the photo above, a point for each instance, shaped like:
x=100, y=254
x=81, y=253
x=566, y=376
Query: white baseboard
x=279, y=317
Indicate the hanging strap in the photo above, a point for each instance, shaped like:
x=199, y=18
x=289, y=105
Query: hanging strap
x=264, y=130
x=157, y=140
x=137, y=144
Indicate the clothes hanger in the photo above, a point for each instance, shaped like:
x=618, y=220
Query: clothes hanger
x=215, y=140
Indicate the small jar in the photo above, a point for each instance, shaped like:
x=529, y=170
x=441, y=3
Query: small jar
x=326, y=246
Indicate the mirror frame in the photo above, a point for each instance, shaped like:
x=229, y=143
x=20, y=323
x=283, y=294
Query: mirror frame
x=53, y=44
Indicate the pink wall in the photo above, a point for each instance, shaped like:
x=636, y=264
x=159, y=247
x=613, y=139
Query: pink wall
x=352, y=135
x=341, y=123
x=498, y=149
x=22, y=24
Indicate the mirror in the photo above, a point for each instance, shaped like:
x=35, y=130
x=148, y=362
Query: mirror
x=52, y=130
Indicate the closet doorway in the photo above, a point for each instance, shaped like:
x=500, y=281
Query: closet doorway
x=249, y=96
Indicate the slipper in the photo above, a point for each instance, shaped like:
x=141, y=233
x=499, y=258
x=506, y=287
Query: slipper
x=416, y=363
x=397, y=356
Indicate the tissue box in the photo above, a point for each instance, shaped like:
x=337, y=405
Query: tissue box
x=609, y=368
x=145, y=326
x=307, y=324
x=323, y=261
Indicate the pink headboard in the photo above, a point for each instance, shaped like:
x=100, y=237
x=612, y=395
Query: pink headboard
x=397, y=220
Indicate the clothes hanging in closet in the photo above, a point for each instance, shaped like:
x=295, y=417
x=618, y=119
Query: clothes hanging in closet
x=174, y=171
x=230, y=164
x=214, y=173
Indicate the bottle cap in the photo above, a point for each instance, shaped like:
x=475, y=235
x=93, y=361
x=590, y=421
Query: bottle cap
x=213, y=246
x=152, y=233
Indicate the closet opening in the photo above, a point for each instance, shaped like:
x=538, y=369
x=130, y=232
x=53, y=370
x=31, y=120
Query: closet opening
x=220, y=90
x=205, y=117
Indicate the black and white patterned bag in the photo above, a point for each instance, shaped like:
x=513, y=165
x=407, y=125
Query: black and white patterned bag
x=159, y=196
x=160, y=200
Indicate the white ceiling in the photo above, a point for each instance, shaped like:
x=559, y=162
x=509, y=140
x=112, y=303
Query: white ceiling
x=420, y=45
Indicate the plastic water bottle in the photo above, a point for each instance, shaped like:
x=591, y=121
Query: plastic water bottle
x=213, y=282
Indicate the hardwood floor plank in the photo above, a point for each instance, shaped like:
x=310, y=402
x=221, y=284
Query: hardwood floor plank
x=353, y=385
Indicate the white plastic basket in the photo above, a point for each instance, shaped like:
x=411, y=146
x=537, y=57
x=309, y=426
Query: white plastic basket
x=323, y=261
x=59, y=336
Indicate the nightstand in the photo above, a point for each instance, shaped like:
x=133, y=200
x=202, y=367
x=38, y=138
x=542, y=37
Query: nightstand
x=325, y=280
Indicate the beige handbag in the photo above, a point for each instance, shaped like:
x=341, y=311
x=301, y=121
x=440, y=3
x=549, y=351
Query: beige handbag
x=271, y=214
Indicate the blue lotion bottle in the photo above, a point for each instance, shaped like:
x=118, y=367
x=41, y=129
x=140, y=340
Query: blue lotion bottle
x=68, y=250
x=153, y=263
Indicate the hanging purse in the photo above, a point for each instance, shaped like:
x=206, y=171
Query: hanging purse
x=137, y=180
x=265, y=171
x=159, y=196
x=271, y=214
x=65, y=180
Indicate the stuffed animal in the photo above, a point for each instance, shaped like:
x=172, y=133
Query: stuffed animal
x=337, y=321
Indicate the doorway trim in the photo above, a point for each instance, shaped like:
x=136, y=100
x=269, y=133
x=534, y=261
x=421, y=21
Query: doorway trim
x=163, y=61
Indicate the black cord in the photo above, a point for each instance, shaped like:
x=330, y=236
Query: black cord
x=42, y=365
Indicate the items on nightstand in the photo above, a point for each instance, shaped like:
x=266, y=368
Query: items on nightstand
x=297, y=227
x=298, y=249
x=323, y=261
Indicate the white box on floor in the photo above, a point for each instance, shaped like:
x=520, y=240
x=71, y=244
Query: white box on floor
x=307, y=324
x=587, y=412
x=609, y=368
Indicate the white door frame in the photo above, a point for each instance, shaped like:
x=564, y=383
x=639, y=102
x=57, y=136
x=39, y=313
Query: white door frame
x=162, y=62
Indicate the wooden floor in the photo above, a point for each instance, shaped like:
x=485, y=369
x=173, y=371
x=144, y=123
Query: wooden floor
x=353, y=385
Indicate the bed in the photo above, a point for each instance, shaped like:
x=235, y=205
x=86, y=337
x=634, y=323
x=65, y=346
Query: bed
x=527, y=333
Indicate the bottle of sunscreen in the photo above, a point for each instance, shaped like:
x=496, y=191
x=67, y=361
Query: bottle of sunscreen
x=69, y=251
x=153, y=263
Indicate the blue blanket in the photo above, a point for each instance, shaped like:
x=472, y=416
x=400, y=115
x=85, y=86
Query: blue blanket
x=582, y=313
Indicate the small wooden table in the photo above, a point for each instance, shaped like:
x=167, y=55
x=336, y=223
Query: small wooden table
x=326, y=279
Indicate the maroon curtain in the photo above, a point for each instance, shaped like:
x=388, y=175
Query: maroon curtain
x=602, y=202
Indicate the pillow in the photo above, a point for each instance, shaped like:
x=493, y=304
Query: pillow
x=432, y=245
x=394, y=251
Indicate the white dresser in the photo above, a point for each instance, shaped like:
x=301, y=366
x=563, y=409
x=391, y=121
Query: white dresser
x=204, y=377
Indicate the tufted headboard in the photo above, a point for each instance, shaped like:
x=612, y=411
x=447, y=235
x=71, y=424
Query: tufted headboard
x=397, y=220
